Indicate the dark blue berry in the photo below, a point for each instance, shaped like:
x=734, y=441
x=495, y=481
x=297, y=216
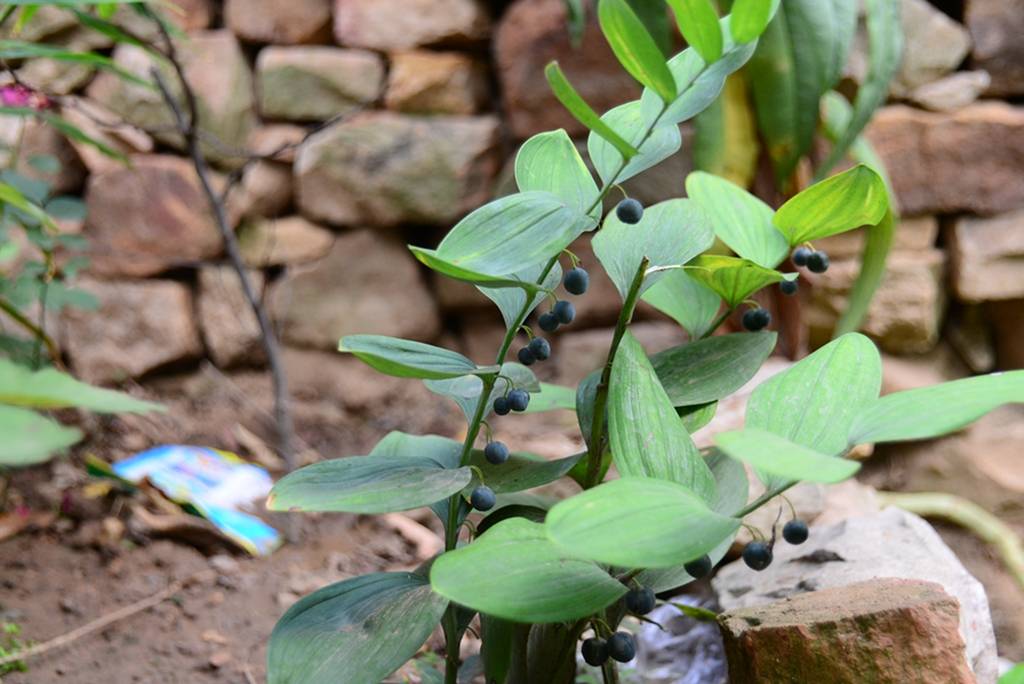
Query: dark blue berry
x=540, y=348
x=795, y=532
x=595, y=651
x=482, y=498
x=548, y=322
x=518, y=399
x=576, y=281
x=818, y=262
x=801, y=255
x=699, y=568
x=640, y=601
x=501, y=406
x=564, y=311
x=788, y=287
x=496, y=453
x=756, y=319
x=526, y=357
x=629, y=211
x=757, y=555
x=621, y=647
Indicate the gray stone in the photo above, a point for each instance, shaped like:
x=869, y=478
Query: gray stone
x=429, y=82
x=282, y=22
x=318, y=82
x=126, y=140
x=987, y=257
x=935, y=45
x=264, y=190
x=278, y=140
x=383, y=169
x=404, y=24
x=283, y=241
x=889, y=544
x=229, y=325
x=367, y=283
x=996, y=27
x=951, y=92
x=140, y=326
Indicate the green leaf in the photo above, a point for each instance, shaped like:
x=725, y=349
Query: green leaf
x=376, y=483
x=635, y=48
x=429, y=258
x=498, y=639
x=686, y=301
x=14, y=197
x=698, y=22
x=740, y=220
x=510, y=300
x=885, y=54
x=711, y=369
x=670, y=233
x=582, y=112
x=465, y=390
x=734, y=280
x=815, y=401
x=18, y=49
x=50, y=389
x=1015, y=675
x=696, y=417
x=409, y=359
x=637, y=523
x=521, y=471
x=363, y=628
x=646, y=435
x=30, y=438
x=512, y=232
x=515, y=572
x=854, y=198
x=550, y=162
x=551, y=398
x=872, y=270
x=934, y=411
x=628, y=119
x=780, y=458
x=749, y=18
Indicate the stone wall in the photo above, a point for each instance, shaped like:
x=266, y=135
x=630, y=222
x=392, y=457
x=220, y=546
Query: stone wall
x=436, y=95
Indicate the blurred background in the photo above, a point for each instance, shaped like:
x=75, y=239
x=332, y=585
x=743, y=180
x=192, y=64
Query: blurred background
x=342, y=130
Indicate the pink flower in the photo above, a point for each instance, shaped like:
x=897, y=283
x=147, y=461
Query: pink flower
x=18, y=95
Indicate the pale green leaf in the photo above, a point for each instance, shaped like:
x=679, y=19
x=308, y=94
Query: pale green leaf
x=782, y=459
x=686, y=301
x=711, y=369
x=854, y=198
x=550, y=162
x=30, y=438
x=511, y=300
x=51, y=389
x=734, y=280
x=409, y=359
x=662, y=142
x=749, y=18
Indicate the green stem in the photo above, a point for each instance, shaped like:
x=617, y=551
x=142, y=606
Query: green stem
x=718, y=322
x=601, y=398
x=763, y=499
x=37, y=332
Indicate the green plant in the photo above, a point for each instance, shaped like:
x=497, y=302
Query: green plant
x=540, y=574
x=11, y=645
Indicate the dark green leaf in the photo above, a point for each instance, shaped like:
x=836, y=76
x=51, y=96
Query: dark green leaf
x=515, y=572
x=635, y=48
x=782, y=459
x=409, y=359
x=637, y=523
x=711, y=369
x=361, y=629
x=646, y=435
x=582, y=112
x=30, y=438
x=628, y=119
x=670, y=233
x=50, y=389
x=550, y=162
x=739, y=219
x=698, y=22
x=522, y=471
x=734, y=280
x=686, y=301
x=854, y=198
x=934, y=411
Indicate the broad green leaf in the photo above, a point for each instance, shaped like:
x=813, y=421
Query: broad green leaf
x=666, y=579
x=646, y=435
x=934, y=411
x=50, y=389
x=521, y=471
x=409, y=359
x=510, y=300
x=711, y=369
x=854, y=198
x=686, y=301
x=749, y=18
x=698, y=22
x=513, y=232
x=670, y=233
x=885, y=53
x=18, y=49
x=734, y=280
x=782, y=459
x=637, y=523
x=815, y=401
x=465, y=390
x=634, y=47
x=367, y=484
x=430, y=259
x=662, y=142
x=552, y=397
x=739, y=219
x=361, y=629
x=582, y=112
x=725, y=140
x=550, y=162
x=30, y=438
x=442, y=451
x=515, y=572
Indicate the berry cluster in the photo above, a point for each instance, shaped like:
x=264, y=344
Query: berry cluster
x=756, y=319
x=618, y=646
x=815, y=261
x=758, y=554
